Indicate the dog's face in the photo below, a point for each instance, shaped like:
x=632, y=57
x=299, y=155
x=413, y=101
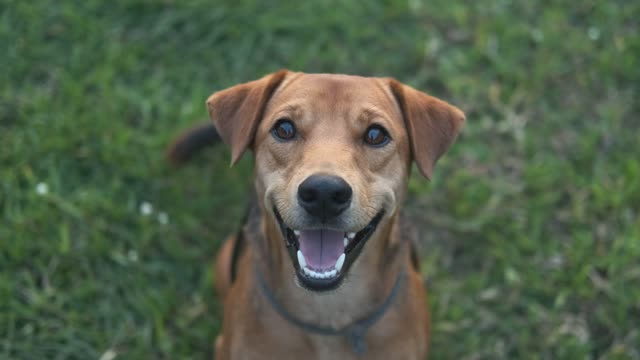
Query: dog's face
x=333, y=154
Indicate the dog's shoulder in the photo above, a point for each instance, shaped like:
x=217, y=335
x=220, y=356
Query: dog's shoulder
x=409, y=233
x=249, y=231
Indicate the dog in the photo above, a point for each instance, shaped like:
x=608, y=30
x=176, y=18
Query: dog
x=324, y=266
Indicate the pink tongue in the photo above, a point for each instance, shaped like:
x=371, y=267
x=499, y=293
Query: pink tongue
x=321, y=248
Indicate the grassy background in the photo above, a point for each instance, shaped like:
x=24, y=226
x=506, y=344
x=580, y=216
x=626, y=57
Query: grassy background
x=530, y=225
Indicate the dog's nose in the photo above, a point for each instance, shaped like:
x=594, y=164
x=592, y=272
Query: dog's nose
x=324, y=196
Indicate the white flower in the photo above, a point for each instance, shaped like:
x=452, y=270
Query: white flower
x=42, y=188
x=109, y=355
x=537, y=35
x=132, y=255
x=146, y=208
x=594, y=33
x=163, y=218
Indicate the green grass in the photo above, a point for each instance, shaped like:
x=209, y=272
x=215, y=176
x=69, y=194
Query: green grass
x=530, y=225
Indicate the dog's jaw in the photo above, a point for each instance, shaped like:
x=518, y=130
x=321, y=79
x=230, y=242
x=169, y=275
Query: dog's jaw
x=305, y=248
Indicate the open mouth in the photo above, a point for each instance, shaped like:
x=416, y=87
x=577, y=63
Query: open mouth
x=322, y=257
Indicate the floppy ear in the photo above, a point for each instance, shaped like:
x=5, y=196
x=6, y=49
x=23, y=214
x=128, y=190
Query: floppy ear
x=236, y=111
x=432, y=124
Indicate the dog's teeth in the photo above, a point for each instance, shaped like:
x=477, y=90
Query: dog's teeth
x=296, y=232
x=340, y=262
x=301, y=260
x=328, y=274
x=351, y=235
x=320, y=274
x=306, y=271
x=346, y=242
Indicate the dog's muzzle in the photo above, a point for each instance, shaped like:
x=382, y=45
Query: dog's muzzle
x=322, y=257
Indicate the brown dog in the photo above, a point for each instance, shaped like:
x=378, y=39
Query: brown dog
x=324, y=267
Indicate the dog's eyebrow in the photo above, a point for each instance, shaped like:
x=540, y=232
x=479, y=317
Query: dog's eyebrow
x=371, y=113
x=288, y=107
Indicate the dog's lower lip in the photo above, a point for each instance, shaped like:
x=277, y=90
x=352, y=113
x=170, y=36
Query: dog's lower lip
x=326, y=277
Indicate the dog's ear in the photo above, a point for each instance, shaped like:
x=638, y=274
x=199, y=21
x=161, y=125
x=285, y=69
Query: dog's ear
x=432, y=124
x=236, y=111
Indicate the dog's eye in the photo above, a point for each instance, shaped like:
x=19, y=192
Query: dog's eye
x=376, y=136
x=284, y=130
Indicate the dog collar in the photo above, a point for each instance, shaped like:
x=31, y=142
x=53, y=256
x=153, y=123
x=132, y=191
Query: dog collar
x=355, y=332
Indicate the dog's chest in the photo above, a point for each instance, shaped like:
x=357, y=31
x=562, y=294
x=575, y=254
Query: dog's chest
x=281, y=341
x=335, y=347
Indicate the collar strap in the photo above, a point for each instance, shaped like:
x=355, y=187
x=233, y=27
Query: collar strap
x=354, y=332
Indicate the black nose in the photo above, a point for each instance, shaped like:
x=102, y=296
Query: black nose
x=324, y=196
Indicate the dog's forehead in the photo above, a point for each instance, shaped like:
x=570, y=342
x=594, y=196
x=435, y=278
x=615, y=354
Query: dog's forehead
x=335, y=91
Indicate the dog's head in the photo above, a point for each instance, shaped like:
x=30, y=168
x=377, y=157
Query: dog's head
x=332, y=158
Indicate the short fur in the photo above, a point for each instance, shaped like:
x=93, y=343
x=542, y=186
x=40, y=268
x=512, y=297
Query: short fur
x=331, y=113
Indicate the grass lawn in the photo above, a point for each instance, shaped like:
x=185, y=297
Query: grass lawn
x=531, y=225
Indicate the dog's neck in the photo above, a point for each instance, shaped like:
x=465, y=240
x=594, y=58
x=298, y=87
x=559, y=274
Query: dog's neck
x=366, y=286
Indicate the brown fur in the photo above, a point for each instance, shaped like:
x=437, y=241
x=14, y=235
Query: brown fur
x=331, y=113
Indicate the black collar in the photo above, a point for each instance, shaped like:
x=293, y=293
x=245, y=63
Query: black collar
x=354, y=332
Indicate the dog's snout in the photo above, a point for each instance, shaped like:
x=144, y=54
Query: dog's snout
x=324, y=196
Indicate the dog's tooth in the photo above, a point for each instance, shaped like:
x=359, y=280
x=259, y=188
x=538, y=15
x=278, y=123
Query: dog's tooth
x=332, y=273
x=340, y=262
x=301, y=260
x=346, y=242
x=296, y=232
x=351, y=235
